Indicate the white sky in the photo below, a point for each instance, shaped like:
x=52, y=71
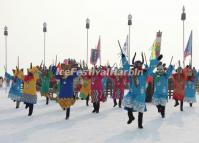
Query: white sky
x=66, y=34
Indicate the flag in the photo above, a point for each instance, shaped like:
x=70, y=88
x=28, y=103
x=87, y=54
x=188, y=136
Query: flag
x=99, y=48
x=125, y=47
x=59, y=68
x=96, y=53
x=153, y=56
x=188, y=50
x=94, y=56
x=156, y=47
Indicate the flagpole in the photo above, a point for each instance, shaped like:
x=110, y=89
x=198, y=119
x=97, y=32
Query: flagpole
x=129, y=24
x=183, y=18
x=6, y=49
x=100, y=50
x=87, y=27
x=192, y=46
x=44, y=30
x=18, y=62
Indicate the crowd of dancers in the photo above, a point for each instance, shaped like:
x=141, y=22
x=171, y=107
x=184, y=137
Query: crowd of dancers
x=71, y=81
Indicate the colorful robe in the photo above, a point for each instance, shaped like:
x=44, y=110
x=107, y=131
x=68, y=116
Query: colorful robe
x=179, y=86
x=160, y=95
x=66, y=94
x=97, y=88
x=135, y=98
x=45, y=84
x=15, y=91
x=29, y=89
x=190, y=89
x=119, y=84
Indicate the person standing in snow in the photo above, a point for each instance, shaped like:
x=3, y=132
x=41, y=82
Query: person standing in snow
x=160, y=96
x=190, y=86
x=29, y=96
x=97, y=94
x=15, y=91
x=66, y=97
x=134, y=100
x=118, y=91
x=45, y=76
x=179, y=79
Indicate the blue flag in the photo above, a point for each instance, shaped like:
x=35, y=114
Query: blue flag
x=188, y=50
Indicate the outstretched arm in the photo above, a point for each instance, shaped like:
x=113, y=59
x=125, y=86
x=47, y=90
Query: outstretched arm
x=153, y=65
x=9, y=76
x=125, y=63
x=169, y=71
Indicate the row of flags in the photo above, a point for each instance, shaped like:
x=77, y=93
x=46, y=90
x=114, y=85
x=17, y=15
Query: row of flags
x=155, y=49
x=96, y=53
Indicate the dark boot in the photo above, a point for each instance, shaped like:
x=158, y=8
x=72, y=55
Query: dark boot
x=190, y=104
x=94, y=106
x=17, y=104
x=176, y=103
x=163, y=111
x=31, y=106
x=98, y=107
x=120, y=103
x=131, y=117
x=67, y=113
x=115, y=102
x=26, y=105
x=140, y=119
x=181, y=105
x=47, y=100
x=87, y=100
x=159, y=108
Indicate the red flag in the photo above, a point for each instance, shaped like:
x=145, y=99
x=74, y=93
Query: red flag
x=58, y=67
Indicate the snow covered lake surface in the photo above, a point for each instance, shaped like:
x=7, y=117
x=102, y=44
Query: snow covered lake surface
x=48, y=124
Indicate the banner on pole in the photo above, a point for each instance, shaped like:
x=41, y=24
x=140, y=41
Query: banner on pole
x=94, y=56
x=188, y=49
x=155, y=50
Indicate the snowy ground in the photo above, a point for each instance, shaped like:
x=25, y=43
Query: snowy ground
x=109, y=126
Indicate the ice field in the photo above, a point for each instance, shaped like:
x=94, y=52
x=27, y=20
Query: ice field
x=48, y=124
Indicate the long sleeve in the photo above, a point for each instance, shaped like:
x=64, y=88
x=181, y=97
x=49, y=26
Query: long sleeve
x=125, y=64
x=8, y=76
x=169, y=71
x=153, y=64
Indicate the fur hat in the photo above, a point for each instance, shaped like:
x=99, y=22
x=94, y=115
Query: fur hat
x=18, y=72
x=137, y=63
